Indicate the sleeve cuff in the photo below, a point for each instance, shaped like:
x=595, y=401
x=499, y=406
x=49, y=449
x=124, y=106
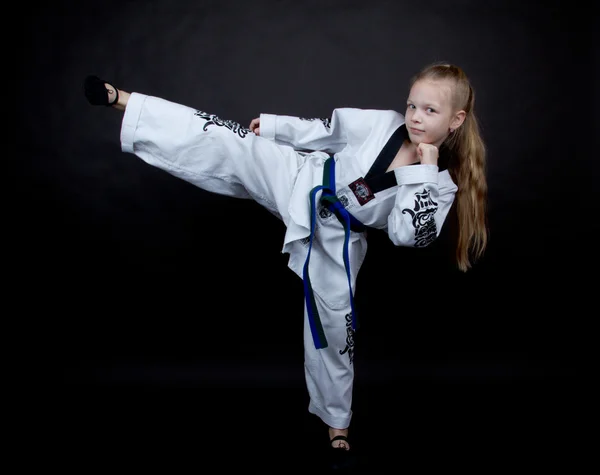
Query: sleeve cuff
x=411, y=174
x=267, y=126
x=131, y=118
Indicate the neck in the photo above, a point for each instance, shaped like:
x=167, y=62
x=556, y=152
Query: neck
x=411, y=151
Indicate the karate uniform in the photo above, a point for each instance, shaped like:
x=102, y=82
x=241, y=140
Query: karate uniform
x=278, y=169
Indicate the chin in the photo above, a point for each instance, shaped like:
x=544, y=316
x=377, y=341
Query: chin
x=414, y=139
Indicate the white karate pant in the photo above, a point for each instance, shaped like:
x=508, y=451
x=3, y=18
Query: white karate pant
x=223, y=157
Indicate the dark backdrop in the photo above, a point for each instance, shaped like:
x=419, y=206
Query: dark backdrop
x=139, y=278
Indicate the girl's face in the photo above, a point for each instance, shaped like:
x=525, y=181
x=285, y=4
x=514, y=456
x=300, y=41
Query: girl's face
x=429, y=115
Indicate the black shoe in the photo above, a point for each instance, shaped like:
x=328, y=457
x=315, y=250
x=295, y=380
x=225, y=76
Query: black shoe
x=340, y=458
x=96, y=92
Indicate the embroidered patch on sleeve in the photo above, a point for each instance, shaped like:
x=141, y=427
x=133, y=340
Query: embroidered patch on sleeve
x=325, y=120
x=423, y=218
x=362, y=191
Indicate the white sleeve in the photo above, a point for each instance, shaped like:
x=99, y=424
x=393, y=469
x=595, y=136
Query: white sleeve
x=329, y=135
x=423, y=201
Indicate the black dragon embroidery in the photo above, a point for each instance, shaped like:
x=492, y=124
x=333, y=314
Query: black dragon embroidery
x=349, y=338
x=423, y=218
x=212, y=119
x=326, y=122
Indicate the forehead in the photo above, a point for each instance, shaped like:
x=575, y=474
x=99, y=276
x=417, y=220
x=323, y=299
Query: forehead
x=427, y=91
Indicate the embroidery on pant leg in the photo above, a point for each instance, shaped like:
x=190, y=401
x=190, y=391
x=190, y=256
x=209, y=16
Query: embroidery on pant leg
x=349, y=338
x=326, y=122
x=212, y=119
x=422, y=218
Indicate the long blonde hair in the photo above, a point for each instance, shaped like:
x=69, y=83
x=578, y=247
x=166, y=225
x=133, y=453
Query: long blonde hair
x=467, y=164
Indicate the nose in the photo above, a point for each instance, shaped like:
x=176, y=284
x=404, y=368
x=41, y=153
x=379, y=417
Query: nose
x=416, y=117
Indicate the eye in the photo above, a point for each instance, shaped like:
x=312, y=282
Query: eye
x=410, y=106
x=431, y=109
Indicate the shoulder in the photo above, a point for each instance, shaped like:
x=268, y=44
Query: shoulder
x=387, y=115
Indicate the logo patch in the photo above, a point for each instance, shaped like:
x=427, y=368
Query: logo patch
x=324, y=213
x=362, y=191
x=346, y=203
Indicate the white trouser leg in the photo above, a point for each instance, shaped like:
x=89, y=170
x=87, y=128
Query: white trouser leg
x=216, y=155
x=329, y=371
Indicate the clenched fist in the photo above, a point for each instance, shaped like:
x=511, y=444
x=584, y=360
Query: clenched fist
x=427, y=153
x=255, y=126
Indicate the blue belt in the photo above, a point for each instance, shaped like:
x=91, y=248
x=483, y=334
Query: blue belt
x=332, y=203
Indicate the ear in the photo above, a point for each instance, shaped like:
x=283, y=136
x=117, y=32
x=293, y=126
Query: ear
x=458, y=119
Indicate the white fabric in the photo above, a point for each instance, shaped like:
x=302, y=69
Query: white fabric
x=278, y=170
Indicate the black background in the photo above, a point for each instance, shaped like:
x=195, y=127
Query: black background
x=140, y=281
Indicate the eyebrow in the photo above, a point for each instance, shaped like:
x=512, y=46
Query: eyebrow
x=430, y=104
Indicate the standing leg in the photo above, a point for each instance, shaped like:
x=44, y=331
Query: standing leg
x=329, y=371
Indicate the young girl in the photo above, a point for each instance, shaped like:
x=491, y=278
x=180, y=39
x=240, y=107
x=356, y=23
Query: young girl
x=328, y=180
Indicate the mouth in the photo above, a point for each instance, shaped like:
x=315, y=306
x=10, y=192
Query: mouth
x=416, y=131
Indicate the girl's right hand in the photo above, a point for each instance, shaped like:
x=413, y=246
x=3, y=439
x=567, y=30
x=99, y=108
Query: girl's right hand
x=255, y=126
x=427, y=153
